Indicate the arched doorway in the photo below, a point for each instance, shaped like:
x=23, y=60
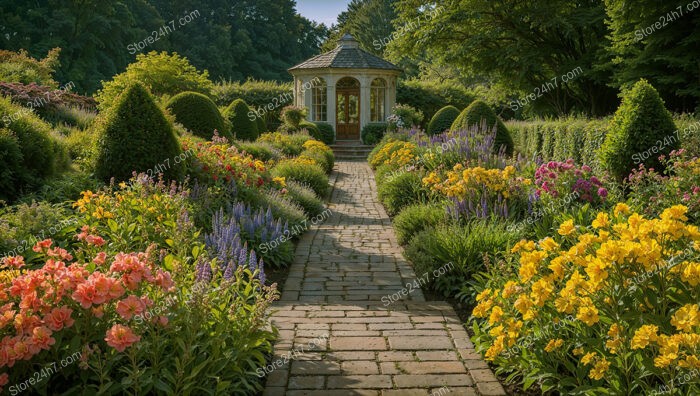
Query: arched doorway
x=347, y=104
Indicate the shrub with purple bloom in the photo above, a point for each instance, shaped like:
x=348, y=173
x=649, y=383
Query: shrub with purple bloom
x=565, y=180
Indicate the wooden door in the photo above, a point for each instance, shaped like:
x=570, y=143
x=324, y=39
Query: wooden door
x=347, y=114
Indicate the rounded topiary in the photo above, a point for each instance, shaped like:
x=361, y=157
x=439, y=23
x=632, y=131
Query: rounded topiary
x=641, y=131
x=199, y=114
x=12, y=174
x=442, y=120
x=373, y=133
x=478, y=113
x=243, y=126
x=134, y=135
x=34, y=138
x=326, y=131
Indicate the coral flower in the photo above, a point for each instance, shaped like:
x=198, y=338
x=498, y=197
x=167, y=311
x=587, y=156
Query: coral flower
x=100, y=259
x=14, y=261
x=41, y=338
x=85, y=294
x=121, y=337
x=95, y=240
x=59, y=318
x=130, y=307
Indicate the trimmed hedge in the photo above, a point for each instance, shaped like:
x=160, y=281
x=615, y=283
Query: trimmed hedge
x=373, y=133
x=442, y=120
x=326, y=132
x=134, y=135
x=242, y=127
x=429, y=96
x=641, y=131
x=268, y=97
x=199, y=114
x=475, y=115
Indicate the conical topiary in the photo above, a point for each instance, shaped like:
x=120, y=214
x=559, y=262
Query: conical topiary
x=475, y=115
x=199, y=114
x=442, y=120
x=261, y=124
x=641, y=131
x=134, y=135
x=242, y=120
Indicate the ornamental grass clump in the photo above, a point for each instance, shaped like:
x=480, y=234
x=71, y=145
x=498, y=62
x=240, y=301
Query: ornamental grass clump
x=623, y=291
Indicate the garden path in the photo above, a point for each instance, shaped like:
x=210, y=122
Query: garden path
x=341, y=333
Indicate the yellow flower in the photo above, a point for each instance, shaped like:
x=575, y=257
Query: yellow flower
x=601, y=221
x=599, y=370
x=567, y=228
x=553, y=345
x=686, y=318
x=280, y=180
x=644, y=335
x=621, y=208
x=588, y=358
x=663, y=361
x=588, y=314
x=676, y=212
x=691, y=273
x=690, y=362
x=548, y=244
x=496, y=314
x=578, y=351
x=510, y=288
x=495, y=349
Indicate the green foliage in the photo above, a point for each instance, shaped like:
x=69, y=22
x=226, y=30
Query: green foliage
x=369, y=21
x=199, y=114
x=21, y=226
x=488, y=38
x=134, y=135
x=311, y=175
x=326, y=133
x=404, y=116
x=264, y=97
x=306, y=198
x=442, y=120
x=261, y=124
x=416, y=218
x=373, y=133
x=431, y=96
x=462, y=246
x=282, y=206
x=639, y=48
x=161, y=73
x=39, y=149
x=479, y=114
x=290, y=145
x=293, y=116
x=21, y=68
x=311, y=129
x=67, y=187
x=242, y=126
x=402, y=190
x=640, y=132
x=260, y=150
x=12, y=174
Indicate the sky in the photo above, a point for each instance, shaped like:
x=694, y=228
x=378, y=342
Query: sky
x=322, y=11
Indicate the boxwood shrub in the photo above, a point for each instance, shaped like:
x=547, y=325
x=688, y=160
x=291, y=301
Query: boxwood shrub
x=199, y=114
x=373, y=133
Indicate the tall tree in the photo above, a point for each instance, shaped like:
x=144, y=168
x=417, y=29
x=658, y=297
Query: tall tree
x=369, y=21
x=659, y=41
x=521, y=44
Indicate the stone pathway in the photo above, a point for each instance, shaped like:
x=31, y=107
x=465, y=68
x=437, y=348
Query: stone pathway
x=340, y=331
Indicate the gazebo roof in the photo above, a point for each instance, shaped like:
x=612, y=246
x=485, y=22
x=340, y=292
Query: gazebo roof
x=347, y=55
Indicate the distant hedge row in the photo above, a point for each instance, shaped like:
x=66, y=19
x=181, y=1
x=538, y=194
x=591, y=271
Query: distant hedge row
x=579, y=138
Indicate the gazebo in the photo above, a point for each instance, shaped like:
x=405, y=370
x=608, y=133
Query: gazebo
x=347, y=87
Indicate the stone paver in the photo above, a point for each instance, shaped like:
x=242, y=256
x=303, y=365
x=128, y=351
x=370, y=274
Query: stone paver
x=346, y=317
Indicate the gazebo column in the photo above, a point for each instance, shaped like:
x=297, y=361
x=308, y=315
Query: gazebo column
x=330, y=91
x=365, y=85
x=390, y=96
x=308, y=99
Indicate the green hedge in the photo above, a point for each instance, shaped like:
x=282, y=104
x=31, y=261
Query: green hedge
x=327, y=134
x=268, y=98
x=242, y=127
x=429, y=97
x=373, y=133
x=580, y=138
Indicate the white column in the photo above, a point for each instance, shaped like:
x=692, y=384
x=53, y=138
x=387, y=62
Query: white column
x=365, y=82
x=330, y=89
x=391, y=94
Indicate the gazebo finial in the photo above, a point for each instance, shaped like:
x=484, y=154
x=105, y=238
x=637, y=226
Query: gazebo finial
x=348, y=41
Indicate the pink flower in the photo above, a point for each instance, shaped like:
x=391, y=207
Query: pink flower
x=121, y=337
x=100, y=259
x=59, y=318
x=14, y=261
x=95, y=240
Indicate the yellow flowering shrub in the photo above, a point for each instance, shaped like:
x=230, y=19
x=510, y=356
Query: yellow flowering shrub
x=609, y=307
x=395, y=154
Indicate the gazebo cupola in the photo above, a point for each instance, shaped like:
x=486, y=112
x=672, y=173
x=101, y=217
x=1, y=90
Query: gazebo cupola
x=347, y=87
